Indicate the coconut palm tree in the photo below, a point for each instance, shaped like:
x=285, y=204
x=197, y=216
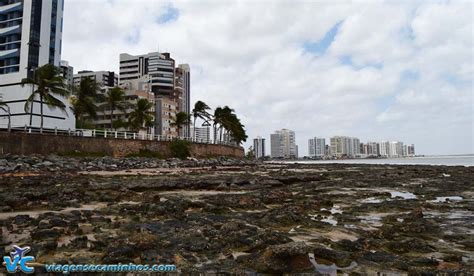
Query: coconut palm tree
x=84, y=101
x=181, y=119
x=6, y=109
x=225, y=120
x=200, y=111
x=50, y=88
x=114, y=99
x=141, y=117
x=218, y=117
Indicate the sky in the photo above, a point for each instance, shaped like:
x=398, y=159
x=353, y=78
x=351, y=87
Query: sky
x=376, y=70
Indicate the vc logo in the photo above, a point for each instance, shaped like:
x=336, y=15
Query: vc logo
x=18, y=260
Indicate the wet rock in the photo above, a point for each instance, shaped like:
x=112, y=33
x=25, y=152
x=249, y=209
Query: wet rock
x=282, y=258
x=340, y=258
x=120, y=254
x=44, y=234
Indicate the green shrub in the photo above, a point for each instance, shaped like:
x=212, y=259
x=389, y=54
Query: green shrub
x=145, y=153
x=180, y=149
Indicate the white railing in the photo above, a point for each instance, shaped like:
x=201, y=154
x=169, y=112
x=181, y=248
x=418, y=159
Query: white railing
x=107, y=134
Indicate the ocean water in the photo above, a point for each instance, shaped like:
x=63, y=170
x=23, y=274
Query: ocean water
x=454, y=160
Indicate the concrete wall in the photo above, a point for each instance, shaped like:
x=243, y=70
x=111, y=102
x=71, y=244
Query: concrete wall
x=21, y=143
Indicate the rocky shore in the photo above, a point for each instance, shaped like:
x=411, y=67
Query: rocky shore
x=223, y=215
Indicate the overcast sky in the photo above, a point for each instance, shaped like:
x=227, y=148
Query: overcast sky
x=377, y=70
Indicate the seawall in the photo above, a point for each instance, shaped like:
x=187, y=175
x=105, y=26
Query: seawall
x=26, y=144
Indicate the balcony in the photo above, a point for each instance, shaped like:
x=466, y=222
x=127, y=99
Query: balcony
x=9, y=53
x=11, y=8
x=10, y=30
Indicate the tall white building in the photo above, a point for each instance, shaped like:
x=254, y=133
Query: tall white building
x=202, y=134
x=345, y=146
x=395, y=149
x=317, y=147
x=30, y=36
x=67, y=72
x=372, y=149
x=283, y=144
x=105, y=79
x=384, y=149
x=259, y=147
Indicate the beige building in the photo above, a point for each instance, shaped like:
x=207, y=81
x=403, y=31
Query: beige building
x=165, y=114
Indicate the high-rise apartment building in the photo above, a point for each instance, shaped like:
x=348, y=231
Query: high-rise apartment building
x=165, y=113
x=411, y=150
x=105, y=79
x=372, y=149
x=259, y=147
x=395, y=149
x=156, y=73
x=183, y=87
x=202, y=134
x=384, y=148
x=67, y=72
x=345, y=146
x=30, y=36
x=158, y=69
x=317, y=147
x=283, y=144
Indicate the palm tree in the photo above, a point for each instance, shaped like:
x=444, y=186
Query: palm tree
x=114, y=99
x=49, y=85
x=218, y=113
x=85, y=99
x=225, y=119
x=6, y=109
x=182, y=118
x=200, y=111
x=142, y=116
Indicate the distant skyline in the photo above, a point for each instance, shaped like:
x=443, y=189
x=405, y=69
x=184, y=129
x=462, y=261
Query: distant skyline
x=394, y=70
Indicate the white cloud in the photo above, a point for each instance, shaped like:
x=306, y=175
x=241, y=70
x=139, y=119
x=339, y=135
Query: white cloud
x=249, y=55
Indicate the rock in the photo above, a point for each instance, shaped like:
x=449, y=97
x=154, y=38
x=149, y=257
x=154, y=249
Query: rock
x=283, y=258
x=44, y=234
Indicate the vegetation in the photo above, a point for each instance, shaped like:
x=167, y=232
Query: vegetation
x=49, y=86
x=114, y=99
x=181, y=119
x=180, y=148
x=84, y=100
x=227, y=122
x=141, y=117
x=250, y=155
x=200, y=111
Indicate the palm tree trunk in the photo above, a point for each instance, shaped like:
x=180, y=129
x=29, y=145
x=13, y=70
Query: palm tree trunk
x=111, y=118
x=9, y=119
x=41, y=110
x=220, y=134
x=31, y=108
x=194, y=129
